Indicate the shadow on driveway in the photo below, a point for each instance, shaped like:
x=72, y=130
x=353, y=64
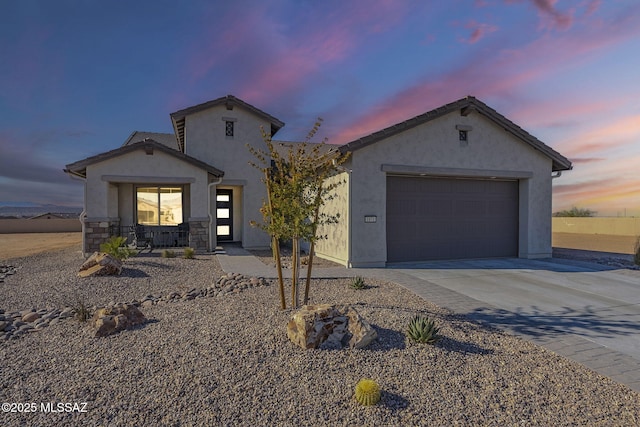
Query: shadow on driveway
x=557, y=265
x=588, y=322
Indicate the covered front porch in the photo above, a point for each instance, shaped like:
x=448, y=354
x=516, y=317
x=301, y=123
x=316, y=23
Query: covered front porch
x=153, y=195
x=150, y=215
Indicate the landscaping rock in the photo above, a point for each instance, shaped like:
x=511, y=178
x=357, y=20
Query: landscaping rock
x=30, y=317
x=111, y=320
x=100, y=264
x=329, y=327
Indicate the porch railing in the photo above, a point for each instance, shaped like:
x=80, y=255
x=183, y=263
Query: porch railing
x=150, y=236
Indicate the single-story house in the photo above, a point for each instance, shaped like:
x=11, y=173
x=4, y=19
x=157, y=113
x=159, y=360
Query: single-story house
x=460, y=181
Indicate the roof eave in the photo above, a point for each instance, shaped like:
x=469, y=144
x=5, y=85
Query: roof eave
x=79, y=168
x=466, y=106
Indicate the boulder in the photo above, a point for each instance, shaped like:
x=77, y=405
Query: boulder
x=111, y=320
x=100, y=264
x=327, y=326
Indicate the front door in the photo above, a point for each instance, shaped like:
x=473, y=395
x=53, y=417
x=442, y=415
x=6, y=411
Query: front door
x=224, y=215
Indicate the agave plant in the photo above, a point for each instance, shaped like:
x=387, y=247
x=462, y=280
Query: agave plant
x=358, y=283
x=423, y=330
x=367, y=392
x=116, y=247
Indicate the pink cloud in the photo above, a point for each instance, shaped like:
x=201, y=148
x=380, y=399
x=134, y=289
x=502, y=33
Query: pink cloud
x=608, y=185
x=278, y=58
x=550, y=16
x=478, y=31
x=586, y=160
x=621, y=132
x=562, y=111
x=500, y=75
x=593, y=6
x=606, y=196
x=557, y=19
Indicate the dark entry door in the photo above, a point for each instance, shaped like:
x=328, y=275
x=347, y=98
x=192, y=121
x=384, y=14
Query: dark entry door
x=224, y=215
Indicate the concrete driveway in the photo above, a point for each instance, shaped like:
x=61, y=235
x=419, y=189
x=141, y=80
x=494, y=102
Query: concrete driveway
x=588, y=312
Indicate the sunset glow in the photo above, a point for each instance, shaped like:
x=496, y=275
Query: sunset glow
x=84, y=75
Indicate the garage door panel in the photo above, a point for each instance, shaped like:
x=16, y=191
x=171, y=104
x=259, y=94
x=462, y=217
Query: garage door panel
x=435, y=208
x=403, y=207
x=450, y=218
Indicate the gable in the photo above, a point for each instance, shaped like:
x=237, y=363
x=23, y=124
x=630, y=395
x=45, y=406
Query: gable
x=148, y=147
x=434, y=147
x=465, y=107
x=178, y=118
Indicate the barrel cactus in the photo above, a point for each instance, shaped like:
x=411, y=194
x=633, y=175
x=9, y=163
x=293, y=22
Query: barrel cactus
x=423, y=330
x=367, y=392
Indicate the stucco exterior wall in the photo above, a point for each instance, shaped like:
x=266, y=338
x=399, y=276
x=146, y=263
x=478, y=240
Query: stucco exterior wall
x=205, y=140
x=336, y=246
x=126, y=204
x=110, y=194
x=103, y=179
x=434, y=149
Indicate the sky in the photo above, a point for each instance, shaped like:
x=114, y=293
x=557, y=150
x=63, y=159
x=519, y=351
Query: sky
x=78, y=77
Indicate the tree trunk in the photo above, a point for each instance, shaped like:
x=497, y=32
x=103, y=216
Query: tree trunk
x=276, y=254
x=295, y=272
x=312, y=248
x=309, y=266
x=275, y=243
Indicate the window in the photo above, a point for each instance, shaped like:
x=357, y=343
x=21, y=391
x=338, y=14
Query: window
x=228, y=128
x=159, y=205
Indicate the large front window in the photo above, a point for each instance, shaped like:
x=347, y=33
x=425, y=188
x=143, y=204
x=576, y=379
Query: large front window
x=159, y=205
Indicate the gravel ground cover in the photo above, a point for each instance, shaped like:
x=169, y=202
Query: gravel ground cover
x=227, y=360
x=613, y=260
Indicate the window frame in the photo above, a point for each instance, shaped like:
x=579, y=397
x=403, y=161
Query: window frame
x=158, y=188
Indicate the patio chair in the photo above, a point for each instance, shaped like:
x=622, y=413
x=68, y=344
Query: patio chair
x=143, y=238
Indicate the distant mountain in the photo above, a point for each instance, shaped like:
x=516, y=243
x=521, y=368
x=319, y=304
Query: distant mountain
x=19, y=204
x=28, y=210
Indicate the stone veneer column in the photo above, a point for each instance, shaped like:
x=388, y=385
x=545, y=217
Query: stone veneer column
x=96, y=232
x=199, y=234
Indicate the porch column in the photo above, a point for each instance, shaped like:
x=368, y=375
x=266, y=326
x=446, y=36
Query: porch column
x=98, y=231
x=199, y=234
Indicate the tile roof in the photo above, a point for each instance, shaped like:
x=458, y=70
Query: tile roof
x=79, y=168
x=167, y=139
x=466, y=106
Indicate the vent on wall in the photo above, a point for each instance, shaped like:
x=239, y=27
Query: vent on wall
x=463, y=134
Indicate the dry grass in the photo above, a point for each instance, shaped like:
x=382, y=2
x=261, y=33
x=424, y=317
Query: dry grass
x=24, y=244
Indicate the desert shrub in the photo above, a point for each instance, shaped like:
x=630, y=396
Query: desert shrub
x=636, y=255
x=168, y=253
x=189, y=253
x=423, y=330
x=367, y=392
x=80, y=309
x=116, y=247
x=358, y=283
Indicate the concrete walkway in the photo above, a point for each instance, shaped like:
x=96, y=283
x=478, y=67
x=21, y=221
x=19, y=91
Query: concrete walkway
x=583, y=311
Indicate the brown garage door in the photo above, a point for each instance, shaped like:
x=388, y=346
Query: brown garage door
x=445, y=218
